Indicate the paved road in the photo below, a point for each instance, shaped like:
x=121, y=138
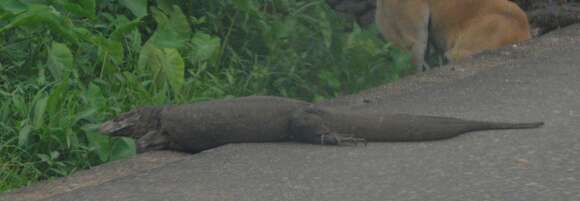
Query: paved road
x=536, y=81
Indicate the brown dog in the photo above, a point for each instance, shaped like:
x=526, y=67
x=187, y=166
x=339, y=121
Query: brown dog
x=457, y=28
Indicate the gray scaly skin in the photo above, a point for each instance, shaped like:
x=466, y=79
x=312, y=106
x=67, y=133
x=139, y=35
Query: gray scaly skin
x=200, y=126
x=329, y=126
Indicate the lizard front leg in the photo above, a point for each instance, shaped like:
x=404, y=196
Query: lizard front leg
x=153, y=140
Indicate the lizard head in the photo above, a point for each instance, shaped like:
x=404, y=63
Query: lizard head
x=134, y=124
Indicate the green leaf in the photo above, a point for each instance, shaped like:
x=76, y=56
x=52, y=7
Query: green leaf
x=100, y=145
x=13, y=6
x=84, y=8
x=31, y=15
x=39, y=112
x=110, y=49
x=166, y=63
x=60, y=60
x=124, y=29
x=5, y=111
x=330, y=79
x=325, y=28
x=175, y=68
x=57, y=93
x=204, y=47
x=279, y=32
x=110, y=54
x=54, y=155
x=44, y=15
x=247, y=6
x=71, y=139
x=137, y=7
x=89, y=6
x=85, y=114
x=123, y=148
x=43, y=157
x=19, y=105
x=173, y=31
x=24, y=135
x=93, y=96
x=167, y=5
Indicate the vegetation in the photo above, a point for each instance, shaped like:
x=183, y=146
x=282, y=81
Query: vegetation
x=66, y=66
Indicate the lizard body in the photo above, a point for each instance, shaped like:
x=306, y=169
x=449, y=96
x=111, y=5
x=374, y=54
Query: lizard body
x=204, y=125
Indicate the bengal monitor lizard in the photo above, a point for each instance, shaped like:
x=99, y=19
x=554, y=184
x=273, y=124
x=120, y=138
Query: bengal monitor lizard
x=204, y=125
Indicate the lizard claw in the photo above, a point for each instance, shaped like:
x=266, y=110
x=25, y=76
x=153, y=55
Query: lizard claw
x=335, y=139
x=352, y=141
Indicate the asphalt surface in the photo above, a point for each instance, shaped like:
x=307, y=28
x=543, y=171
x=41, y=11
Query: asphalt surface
x=539, y=80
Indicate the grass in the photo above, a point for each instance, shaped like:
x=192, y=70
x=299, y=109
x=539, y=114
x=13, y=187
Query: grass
x=66, y=66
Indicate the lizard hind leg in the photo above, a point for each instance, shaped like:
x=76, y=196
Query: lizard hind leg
x=338, y=139
x=308, y=126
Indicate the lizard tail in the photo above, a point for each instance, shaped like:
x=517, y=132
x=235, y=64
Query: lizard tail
x=498, y=125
